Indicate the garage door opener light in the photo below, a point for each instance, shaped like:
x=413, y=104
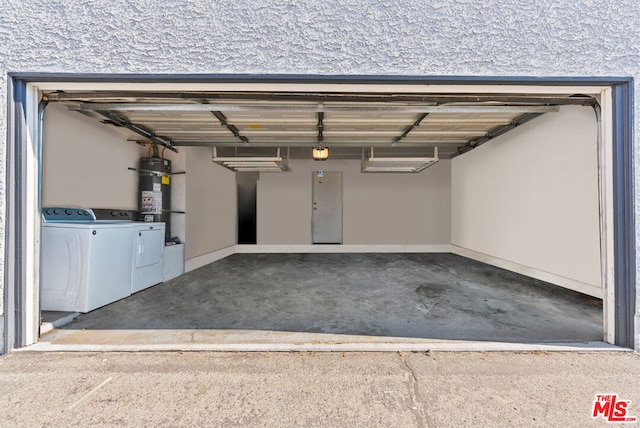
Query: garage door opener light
x=320, y=153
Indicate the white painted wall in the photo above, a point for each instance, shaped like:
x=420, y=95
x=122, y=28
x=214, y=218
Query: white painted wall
x=85, y=162
x=378, y=209
x=211, y=204
x=531, y=196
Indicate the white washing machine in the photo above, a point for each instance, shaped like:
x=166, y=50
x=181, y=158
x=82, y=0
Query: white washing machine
x=85, y=262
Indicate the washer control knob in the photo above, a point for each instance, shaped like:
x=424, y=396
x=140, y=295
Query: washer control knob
x=68, y=212
x=56, y=212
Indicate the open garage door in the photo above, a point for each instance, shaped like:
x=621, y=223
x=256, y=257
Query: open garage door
x=495, y=157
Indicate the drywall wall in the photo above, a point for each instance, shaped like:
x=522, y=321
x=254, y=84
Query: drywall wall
x=378, y=209
x=210, y=204
x=85, y=163
x=531, y=196
x=283, y=205
x=393, y=208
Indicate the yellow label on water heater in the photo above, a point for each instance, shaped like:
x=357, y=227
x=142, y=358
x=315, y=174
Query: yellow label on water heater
x=166, y=179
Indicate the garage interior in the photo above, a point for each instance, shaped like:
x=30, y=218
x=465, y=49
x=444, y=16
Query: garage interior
x=462, y=217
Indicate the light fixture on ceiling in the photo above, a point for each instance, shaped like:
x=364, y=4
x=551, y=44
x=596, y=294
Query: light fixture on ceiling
x=397, y=164
x=320, y=153
x=253, y=164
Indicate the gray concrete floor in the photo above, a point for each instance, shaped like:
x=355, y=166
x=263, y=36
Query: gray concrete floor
x=209, y=389
x=419, y=296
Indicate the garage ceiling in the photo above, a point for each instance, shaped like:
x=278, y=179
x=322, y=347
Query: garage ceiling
x=257, y=123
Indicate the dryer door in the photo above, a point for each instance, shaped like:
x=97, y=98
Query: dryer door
x=149, y=247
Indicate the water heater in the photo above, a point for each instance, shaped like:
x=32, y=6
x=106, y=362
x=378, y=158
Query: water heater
x=154, y=191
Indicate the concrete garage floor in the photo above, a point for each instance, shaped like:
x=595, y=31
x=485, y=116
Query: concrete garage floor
x=337, y=299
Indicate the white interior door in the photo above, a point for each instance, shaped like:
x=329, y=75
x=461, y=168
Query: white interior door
x=327, y=207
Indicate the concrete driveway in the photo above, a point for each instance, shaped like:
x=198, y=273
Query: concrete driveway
x=441, y=389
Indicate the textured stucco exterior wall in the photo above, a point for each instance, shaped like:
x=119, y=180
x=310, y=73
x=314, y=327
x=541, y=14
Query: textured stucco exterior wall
x=371, y=37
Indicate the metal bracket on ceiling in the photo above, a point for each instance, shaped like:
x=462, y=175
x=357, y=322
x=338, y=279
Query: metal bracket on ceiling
x=138, y=129
x=223, y=121
x=320, y=127
x=409, y=128
x=499, y=130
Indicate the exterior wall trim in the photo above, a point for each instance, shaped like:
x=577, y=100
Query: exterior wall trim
x=624, y=216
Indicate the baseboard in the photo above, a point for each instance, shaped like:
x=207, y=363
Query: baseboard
x=205, y=259
x=197, y=262
x=302, y=248
x=552, y=278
